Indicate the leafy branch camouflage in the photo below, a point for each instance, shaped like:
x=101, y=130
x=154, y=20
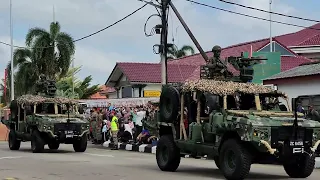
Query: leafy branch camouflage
x=227, y=87
x=36, y=99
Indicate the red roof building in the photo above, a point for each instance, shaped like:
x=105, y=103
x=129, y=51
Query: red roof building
x=103, y=93
x=136, y=78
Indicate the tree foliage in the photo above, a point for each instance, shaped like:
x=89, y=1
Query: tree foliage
x=174, y=52
x=47, y=52
x=82, y=89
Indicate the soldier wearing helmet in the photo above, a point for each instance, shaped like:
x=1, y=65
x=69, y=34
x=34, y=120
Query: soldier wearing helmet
x=217, y=68
x=216, y=51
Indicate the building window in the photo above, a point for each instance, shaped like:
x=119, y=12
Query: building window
x=276, y=48
x=127, y=92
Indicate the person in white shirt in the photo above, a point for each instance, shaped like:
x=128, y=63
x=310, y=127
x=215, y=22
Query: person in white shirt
x=126, y=136
x=141, y=114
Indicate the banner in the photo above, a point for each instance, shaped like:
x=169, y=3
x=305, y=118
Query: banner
x=152, y=93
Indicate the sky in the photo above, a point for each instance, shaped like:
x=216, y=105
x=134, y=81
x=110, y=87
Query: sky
x=126, y=42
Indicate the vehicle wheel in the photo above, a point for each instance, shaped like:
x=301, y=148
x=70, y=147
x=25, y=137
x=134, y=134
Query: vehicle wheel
x=80, y=145
x=216, y=160
x=54, y=145
x=167, y=154
x=37, y=143
x=14, y=144
x=169, y=104
x=234, y=160
x=300, y=166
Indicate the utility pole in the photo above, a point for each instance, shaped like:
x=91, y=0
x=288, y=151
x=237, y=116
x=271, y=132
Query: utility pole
x=163, y=42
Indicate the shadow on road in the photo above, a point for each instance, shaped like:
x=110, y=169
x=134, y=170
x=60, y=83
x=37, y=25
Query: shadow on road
x=45, y=150
x=208, y=172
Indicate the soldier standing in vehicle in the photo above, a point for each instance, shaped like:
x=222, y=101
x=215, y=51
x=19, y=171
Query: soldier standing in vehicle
x=114, y=130
x=312, y=113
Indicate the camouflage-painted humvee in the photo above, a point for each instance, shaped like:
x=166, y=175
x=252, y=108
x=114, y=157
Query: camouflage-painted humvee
x=235, y=124
x=46, y=120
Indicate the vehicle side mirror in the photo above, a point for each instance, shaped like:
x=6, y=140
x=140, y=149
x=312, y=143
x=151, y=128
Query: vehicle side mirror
x=294, y=104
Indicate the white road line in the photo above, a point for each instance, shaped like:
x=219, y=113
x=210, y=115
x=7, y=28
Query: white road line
x=11, y=157
x=100, y=155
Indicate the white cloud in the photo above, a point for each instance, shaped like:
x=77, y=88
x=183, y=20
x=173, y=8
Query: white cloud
x=126, y=42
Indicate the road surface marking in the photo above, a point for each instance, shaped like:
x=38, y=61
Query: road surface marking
x=10, y=179
x=11, y=157
x=100, y=155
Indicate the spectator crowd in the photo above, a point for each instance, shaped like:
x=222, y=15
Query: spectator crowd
x=121, y=123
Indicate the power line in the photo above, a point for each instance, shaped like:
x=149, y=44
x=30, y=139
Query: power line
x=87, y=36
x=246, y=15
x=280, y=14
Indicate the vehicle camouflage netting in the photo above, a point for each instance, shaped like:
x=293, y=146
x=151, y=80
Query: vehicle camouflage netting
x=35, y=99
x=227, y=87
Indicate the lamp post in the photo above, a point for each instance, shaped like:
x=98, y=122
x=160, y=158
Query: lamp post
x=73, y=77
x=11, y=43
x=270, y=3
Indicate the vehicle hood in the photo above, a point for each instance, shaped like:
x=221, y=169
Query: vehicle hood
x=61, y=118
x=270, y=118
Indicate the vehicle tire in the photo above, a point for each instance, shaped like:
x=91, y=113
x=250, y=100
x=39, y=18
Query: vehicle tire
x=300, y=166
x=14, y=143
x=216, y=160
x=235, y=160
x=37, y=143
x=169, y=104
x=54, y=145
x=167, y=154
x=80, y=145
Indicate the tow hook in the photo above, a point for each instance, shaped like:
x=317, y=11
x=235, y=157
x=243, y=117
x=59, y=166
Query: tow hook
x=267, y=145
x=315, y=147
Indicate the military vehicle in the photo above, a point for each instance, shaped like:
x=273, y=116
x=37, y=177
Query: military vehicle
x=46, y=119
x=235, y=123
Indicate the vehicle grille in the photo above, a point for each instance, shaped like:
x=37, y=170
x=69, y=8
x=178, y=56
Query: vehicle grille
x=287, y=133
x=62, y=127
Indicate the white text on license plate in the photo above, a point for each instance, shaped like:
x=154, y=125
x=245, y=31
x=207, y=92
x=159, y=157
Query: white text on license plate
x=69, y=134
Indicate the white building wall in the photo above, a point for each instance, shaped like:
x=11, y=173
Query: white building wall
x=153, y=87
x=136, y=92
x=113, y=95
x=295, y=89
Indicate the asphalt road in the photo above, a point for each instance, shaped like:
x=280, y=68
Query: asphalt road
x=98, y=163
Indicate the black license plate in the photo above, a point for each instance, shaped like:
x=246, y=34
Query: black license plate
x=296, y=143
x=69, y=134
x=297, y=146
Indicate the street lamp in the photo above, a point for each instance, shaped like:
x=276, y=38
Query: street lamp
x=11, y=43
x=270, y=3
x=73, y=76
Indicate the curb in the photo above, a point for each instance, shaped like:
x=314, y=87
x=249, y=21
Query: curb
x=148, y=148
x=317, y=165
x=144, y=148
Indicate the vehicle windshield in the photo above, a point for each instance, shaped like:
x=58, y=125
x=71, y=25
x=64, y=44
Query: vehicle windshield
x=49, y=108
x=267, y=102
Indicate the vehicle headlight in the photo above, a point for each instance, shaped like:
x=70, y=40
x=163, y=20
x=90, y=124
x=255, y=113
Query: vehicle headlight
x=85, y=127
x=316, y=135
x=262, y=133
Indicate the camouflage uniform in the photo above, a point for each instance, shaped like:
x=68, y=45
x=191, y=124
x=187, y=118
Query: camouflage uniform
x=98, y=127
x=94, y=118
x=217, y=68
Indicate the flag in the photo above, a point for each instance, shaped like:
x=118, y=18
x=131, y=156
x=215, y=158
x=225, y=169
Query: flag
x=250, y=53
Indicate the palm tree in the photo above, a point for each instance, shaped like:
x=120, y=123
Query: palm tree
x=174, y=52
x=47, y=53
x=56, y=58
x=82, y=89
